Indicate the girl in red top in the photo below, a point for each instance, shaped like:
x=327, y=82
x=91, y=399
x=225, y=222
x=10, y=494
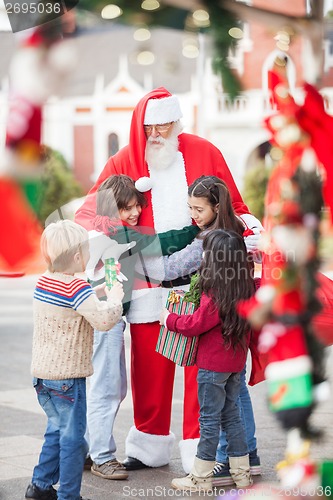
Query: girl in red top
x=225, y=277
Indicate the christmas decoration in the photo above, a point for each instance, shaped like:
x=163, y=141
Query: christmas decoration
x=178, y=14
x=221, y=21
x=19, y=228
x=193, y=295
x=288, y=301
x=37, y=70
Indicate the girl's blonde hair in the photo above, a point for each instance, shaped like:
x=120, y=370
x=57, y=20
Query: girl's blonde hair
x=60, y=241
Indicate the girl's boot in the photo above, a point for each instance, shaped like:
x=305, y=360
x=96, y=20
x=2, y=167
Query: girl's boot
x=200, y=477
x=240, y=471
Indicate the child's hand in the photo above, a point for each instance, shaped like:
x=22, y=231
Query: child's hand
x=100, y=290
x=116, y=291
x=164, y=314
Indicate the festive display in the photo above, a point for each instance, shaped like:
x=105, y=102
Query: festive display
x=20, y=230
x=286, y=310
x=36, y=72
x=179, y=15
x=288, y=300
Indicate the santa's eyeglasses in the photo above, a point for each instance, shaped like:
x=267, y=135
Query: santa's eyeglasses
x=159, y=128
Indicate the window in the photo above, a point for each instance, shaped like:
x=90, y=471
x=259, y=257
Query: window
x=113, y=146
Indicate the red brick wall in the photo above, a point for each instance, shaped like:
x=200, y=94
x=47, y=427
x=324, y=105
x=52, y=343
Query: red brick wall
x=84, y=155
x=291, y=7
x=327, y=79
x=262, y=36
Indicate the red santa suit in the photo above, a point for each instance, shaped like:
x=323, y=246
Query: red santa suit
x=152, y=375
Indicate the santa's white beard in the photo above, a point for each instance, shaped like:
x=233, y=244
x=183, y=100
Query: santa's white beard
x=160, y=156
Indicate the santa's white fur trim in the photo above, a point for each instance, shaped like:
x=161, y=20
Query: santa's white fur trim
x=155, y=268
x=151, y=449
x=251, y=221
x=143, y=184
x=164, y=110
x=146, y=305
x=169, y=196
x=188, y=451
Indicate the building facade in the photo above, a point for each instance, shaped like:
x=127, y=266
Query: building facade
x=90, y=120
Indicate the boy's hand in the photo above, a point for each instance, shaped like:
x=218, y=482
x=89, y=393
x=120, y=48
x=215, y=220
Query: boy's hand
x=116, y=291
x=100, y=290
x=164, y=314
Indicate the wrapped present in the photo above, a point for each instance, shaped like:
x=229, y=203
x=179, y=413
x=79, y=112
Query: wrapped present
x=175, y=346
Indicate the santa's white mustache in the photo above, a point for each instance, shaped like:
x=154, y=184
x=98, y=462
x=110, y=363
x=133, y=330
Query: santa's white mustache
x=154, y=140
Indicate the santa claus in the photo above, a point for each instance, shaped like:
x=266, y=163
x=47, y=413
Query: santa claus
x=163, y=161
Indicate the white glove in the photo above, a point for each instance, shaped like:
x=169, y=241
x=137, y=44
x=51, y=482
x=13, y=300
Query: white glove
x=102, y=247
x=252, y=241
x=114, y=249
x=251, y=221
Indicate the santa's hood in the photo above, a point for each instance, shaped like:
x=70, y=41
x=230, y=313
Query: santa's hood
x=138, y=140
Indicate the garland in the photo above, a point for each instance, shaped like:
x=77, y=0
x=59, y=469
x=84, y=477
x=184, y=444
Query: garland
x=221, y=20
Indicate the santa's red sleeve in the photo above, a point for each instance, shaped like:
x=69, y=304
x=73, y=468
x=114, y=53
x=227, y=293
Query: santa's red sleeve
x=85, y=215
x=203, y=158
x=224, y=173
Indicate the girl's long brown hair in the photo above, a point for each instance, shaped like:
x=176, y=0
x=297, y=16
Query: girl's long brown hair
x=216, y=192
x=226, y=277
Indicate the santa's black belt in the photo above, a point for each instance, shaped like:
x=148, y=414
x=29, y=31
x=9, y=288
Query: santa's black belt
x=177, y=282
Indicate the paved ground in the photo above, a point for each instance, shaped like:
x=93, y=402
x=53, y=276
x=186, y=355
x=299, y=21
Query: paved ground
x=22, y=422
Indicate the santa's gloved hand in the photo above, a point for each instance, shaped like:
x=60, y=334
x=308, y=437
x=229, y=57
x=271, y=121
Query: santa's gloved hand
x=251, y=239
x=251, y=235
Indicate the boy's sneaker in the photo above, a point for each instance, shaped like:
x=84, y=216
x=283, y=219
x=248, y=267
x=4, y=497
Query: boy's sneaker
x=35, y=493
x=255, y=466
x=222, y=475
x=88, y=463
x=110, y=470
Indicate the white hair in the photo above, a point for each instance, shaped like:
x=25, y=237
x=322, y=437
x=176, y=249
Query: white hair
x=159, y=157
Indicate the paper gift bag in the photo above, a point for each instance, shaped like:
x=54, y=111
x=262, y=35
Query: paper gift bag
x=175, y=346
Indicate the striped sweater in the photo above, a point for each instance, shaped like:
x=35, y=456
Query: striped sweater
x=66, y=310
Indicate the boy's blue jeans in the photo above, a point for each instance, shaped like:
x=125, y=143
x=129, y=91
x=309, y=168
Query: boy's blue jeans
x=64, y=449
x=108, y=387
x=218, y=394
x=246, y=411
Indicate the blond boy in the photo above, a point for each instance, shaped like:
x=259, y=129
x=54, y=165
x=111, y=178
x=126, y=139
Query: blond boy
x=66, y=310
